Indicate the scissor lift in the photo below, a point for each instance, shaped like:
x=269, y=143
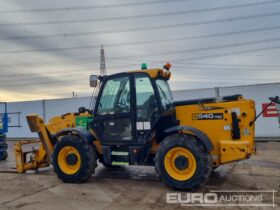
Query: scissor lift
x=3, y=130
x=278, y=112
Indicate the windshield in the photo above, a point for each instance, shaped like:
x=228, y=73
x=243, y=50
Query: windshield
x=165, y=93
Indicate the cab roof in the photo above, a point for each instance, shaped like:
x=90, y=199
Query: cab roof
x=154, y=73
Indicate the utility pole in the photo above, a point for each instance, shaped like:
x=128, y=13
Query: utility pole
x=102, y=73
x=102, y=62
x=74, y=95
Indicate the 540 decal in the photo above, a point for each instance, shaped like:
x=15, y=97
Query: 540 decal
x=208, y=116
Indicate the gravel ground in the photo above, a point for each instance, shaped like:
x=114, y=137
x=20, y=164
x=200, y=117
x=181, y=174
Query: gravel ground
x=133, y=187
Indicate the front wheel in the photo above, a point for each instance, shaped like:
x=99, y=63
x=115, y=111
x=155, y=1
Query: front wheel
x=74, y=160
x=182, y=162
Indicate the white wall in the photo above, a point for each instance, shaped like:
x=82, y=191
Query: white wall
x=25, y=108
x=265, y=127
x=63, y=106
x=193, y=94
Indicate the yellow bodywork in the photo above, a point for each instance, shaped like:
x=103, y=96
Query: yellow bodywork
x=226, y=149
x=155, y=73
x=41, y=157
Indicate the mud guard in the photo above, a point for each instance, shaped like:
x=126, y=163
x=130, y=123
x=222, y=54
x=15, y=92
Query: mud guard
x=84, y=134
x=199, y=134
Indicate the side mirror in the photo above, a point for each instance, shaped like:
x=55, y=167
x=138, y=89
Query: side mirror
x=93, y=80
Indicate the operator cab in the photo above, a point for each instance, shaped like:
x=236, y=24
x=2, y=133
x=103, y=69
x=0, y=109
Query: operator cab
x=132, y=106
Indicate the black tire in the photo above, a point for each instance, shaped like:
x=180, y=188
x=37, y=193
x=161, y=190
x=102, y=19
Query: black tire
x=3, y=147
x=2, y=138
x=4, y=155
x=201, y=156
x=88, y=158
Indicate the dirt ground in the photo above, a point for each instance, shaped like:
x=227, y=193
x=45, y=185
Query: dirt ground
x=133, y=187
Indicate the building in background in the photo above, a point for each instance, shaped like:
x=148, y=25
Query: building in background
x=266, y=126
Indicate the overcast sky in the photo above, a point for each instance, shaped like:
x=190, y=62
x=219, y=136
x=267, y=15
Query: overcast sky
x=49, y=48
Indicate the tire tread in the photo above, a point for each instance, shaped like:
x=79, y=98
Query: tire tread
x=191, y=142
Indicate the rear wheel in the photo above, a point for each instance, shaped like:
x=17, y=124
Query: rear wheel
x=182, y=162
x=74, y=160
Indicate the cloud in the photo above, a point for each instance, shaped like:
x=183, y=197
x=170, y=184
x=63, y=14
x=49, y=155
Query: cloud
x=56, y=73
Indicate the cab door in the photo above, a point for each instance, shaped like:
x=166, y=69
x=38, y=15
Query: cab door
x=113, y=120
x=147, y=107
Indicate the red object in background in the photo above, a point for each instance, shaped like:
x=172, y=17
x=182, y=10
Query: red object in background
x=271, y=111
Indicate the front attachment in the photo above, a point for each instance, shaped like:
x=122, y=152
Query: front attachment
x=37, y=155
x=31, y=159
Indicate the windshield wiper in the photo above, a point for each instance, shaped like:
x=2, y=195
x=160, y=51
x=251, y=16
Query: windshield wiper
x=165, y=96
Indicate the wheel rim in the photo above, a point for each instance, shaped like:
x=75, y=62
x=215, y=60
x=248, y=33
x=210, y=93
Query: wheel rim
x=69, y=160
x=180, y=163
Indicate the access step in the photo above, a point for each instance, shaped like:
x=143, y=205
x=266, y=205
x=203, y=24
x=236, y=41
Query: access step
x=119, y=158
x=115, y=163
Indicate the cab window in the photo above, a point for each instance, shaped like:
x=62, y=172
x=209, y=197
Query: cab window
x=165, y=93
x=146, y=101
x=115, y=98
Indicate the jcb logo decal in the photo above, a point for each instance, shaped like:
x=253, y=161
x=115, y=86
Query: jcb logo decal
x=208, y=116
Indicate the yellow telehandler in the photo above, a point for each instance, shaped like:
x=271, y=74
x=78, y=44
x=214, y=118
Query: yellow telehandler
x=136, y=122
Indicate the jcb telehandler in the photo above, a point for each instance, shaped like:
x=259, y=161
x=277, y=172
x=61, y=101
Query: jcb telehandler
x=136, y=122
